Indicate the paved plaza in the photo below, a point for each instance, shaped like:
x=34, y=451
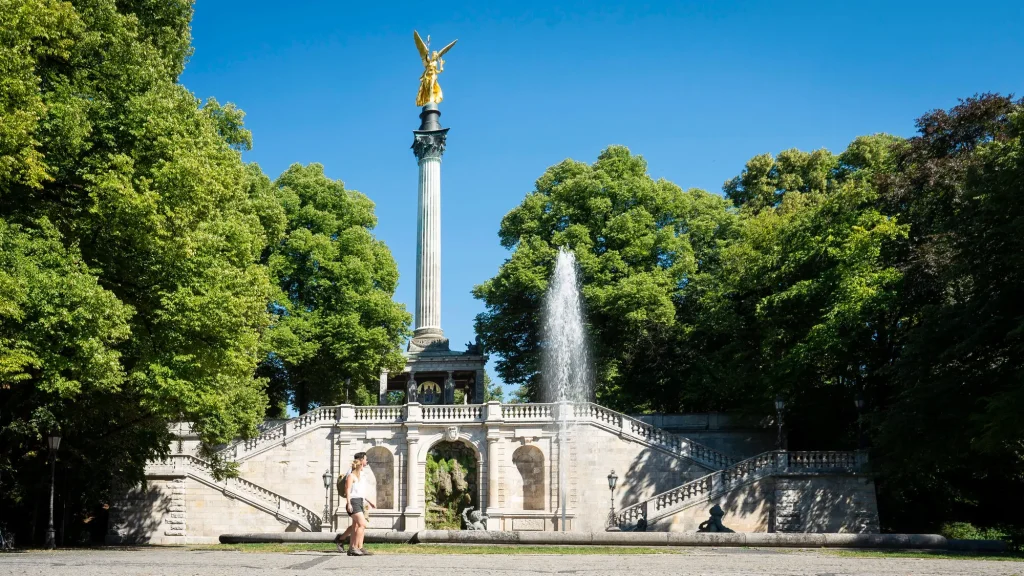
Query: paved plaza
x=686, y=562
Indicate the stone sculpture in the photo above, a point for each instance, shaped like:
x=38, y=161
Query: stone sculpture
x=474, y=519
x=714, y=524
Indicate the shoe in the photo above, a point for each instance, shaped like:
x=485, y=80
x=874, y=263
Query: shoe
x=340, y=543
x=366, y=552
x=355, y=552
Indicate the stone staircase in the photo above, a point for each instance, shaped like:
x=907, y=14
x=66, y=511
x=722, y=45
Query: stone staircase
x=578, y=413
x=718, y=483
x=240, y=489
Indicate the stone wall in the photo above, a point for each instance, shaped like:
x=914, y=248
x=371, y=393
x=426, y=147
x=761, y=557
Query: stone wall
x=805, y=504
x=518, y=480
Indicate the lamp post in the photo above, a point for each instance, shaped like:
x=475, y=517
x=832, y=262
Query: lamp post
x=858, y=401
x=327, y=496
x=780, y=405
x=53, y=442
x=612, y=480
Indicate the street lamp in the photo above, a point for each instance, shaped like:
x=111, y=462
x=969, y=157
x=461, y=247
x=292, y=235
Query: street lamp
x=327, y=496
x=612, y=480
x=780, y=405
x=858, y=401
x=53, y=442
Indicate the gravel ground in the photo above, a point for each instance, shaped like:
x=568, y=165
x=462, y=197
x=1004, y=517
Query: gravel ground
x=717, y=562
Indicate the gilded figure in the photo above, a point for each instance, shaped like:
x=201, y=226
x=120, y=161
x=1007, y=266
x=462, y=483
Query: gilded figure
x=433, y=64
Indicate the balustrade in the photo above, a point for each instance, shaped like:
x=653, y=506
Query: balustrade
x=527, y=411
x=453, y=413
x=378, y=414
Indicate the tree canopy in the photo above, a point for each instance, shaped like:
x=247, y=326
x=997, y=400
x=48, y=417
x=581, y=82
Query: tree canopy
x=889, y=273
x=146, y=268
x=336, y=320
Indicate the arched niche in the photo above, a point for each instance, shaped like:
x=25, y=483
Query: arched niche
x=529, y=460
x=382, y=463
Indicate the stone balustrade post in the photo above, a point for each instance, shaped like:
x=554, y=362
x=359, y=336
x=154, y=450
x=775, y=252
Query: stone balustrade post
x=781, y=462
x=492, y=411
x=861, y=459
x=346, y=413
x=382, y=391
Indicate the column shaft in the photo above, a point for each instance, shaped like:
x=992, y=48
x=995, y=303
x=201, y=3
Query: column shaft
x=428, y=262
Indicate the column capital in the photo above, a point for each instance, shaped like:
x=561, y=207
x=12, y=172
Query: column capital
x=429, y=144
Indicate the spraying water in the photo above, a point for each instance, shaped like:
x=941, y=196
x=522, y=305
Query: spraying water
x=566, y=375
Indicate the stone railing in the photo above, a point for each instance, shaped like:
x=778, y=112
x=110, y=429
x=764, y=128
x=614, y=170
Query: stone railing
x=240, y=488
x=741, y=473
x=667, y=441
x=548, y=413
x=377, y=414
x=535, y=412
x=453, y=413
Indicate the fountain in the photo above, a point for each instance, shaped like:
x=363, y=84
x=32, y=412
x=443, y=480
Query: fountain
x=566, y=372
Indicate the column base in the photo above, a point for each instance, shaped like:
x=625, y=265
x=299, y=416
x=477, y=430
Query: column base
x=429, y=340
x=414, y=520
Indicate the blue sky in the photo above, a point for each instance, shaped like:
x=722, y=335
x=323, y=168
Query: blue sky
x=697, y=88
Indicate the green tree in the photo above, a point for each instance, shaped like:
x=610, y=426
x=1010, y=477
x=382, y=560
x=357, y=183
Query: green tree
x=102, y=152
x=801, y=300
x=336, y=321
x=951, y=441
x=632, y=239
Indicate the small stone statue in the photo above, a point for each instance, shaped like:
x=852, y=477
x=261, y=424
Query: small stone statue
x=475, y=519
x=714, y=524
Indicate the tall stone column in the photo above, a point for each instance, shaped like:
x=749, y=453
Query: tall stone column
x=428, y=146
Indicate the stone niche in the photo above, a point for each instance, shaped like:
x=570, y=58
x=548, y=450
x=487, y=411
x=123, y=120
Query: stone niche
x=529, y=460
x=382, y=462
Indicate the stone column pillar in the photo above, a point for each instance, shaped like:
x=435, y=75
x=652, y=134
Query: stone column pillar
x=412, y=393
x=382, y=394
x=492, y=425
x=449, y=389
x=413, y=513
x=428, y=146
x=478, y=387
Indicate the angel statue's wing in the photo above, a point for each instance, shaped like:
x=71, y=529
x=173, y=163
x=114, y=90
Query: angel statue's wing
x=424, y=53
x=446, y=48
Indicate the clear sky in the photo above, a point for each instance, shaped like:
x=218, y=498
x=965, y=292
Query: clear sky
x=697, y=88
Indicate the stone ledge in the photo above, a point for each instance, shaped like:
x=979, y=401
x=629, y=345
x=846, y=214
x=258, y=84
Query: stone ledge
x=755, y=539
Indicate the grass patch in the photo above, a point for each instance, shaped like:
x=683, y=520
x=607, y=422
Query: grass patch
x=926, y=554
x=385, y=549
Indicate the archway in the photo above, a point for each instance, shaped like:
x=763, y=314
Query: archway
x=451, y=484
x=529, y=460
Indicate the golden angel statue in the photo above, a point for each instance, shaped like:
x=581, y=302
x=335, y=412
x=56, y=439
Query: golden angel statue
x=430, y=90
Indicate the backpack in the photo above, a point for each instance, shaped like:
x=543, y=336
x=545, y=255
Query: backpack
x=342, y=482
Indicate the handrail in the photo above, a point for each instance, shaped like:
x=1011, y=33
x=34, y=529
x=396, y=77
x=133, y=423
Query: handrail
x=542, y=413
x=272, y=501
x=738, y=474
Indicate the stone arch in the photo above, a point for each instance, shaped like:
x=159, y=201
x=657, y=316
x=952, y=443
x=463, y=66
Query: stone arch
x=462, y=449
x=529, y=460
x=431, y=392
x=382, y=463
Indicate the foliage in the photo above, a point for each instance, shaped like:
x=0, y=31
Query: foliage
x=951, y=440
x=632, y=239
x=451, y=485
x=138, y=252
x=891, y=271
x=335, y=317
